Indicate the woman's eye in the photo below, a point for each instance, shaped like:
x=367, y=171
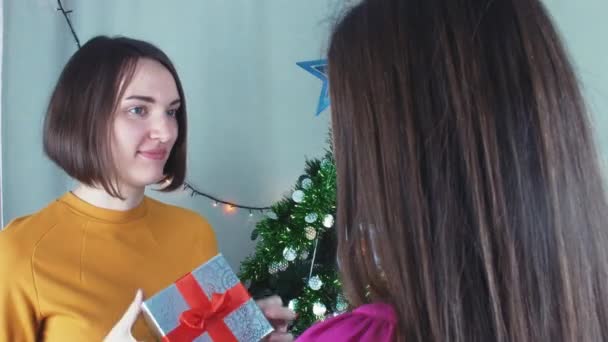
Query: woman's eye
x=172, y=112
x=137, y=110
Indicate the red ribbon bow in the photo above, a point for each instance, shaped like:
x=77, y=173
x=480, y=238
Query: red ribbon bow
x=204, y=315
x=197, y=318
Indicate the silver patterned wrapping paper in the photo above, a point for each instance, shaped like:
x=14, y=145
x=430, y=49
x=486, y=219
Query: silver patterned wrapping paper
x=247, y=323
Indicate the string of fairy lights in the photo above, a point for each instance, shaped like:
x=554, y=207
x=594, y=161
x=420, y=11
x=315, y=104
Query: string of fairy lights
x=228, y=206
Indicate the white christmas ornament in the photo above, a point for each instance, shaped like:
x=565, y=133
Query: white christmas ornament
x=292, y=304
x=311, y=218
x=306, y=183
x=289, y=254
x=283, y=265
x=319, y=309
x=341, y=304
x=325, y=163
x=304, y=255
x=328, y=221
x=298, y=196
x=273, y=268
x=315, y=283
x=272, y=215
x=311, y=233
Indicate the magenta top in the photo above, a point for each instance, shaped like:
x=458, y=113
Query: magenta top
x=369, y=322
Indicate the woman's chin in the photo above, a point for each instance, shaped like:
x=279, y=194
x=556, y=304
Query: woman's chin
x=152, y=180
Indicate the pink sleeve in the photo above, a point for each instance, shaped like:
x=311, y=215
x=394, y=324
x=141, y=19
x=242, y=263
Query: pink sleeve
x=370, y=322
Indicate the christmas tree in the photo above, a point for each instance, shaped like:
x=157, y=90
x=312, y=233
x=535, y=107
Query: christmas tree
x=295, y=256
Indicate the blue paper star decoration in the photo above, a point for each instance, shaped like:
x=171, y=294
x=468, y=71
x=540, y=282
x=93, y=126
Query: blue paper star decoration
x=319, y=69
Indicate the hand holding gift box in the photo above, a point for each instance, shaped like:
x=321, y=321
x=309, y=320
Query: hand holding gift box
x=208, y=304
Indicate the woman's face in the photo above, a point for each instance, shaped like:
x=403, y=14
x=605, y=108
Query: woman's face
x=145, y=126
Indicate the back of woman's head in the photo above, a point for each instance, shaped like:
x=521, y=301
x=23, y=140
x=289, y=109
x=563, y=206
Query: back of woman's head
x=469, y=191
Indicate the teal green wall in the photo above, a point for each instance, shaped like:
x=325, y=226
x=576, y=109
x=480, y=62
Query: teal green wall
x=584, y=27
x=35, y=47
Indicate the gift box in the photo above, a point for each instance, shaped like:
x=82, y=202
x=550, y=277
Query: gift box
x=207, y=304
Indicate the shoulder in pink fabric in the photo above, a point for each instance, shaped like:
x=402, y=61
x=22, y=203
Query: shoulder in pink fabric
x=370, y=322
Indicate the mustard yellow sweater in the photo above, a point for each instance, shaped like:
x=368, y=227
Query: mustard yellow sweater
x=68, y=272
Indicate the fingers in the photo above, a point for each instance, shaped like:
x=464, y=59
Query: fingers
x=279, y=316
x=280, y=325
x=279, y=337
x=270, y=301
x=273, y=309
x=130, y=316
x=121, y=332
x=279, y=313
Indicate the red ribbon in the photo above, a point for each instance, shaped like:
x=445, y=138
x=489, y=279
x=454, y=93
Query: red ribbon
x=205, y=315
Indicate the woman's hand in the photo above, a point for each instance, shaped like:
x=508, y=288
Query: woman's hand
x=121, y=332
x=279, y=316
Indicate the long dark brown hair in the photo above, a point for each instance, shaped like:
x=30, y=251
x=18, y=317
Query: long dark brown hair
x=469, y=190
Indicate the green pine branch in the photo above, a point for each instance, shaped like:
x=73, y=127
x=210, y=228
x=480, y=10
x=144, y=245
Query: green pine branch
x=286, y=230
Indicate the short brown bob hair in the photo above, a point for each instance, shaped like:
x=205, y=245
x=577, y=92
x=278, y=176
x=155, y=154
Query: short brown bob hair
x=77, y=126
